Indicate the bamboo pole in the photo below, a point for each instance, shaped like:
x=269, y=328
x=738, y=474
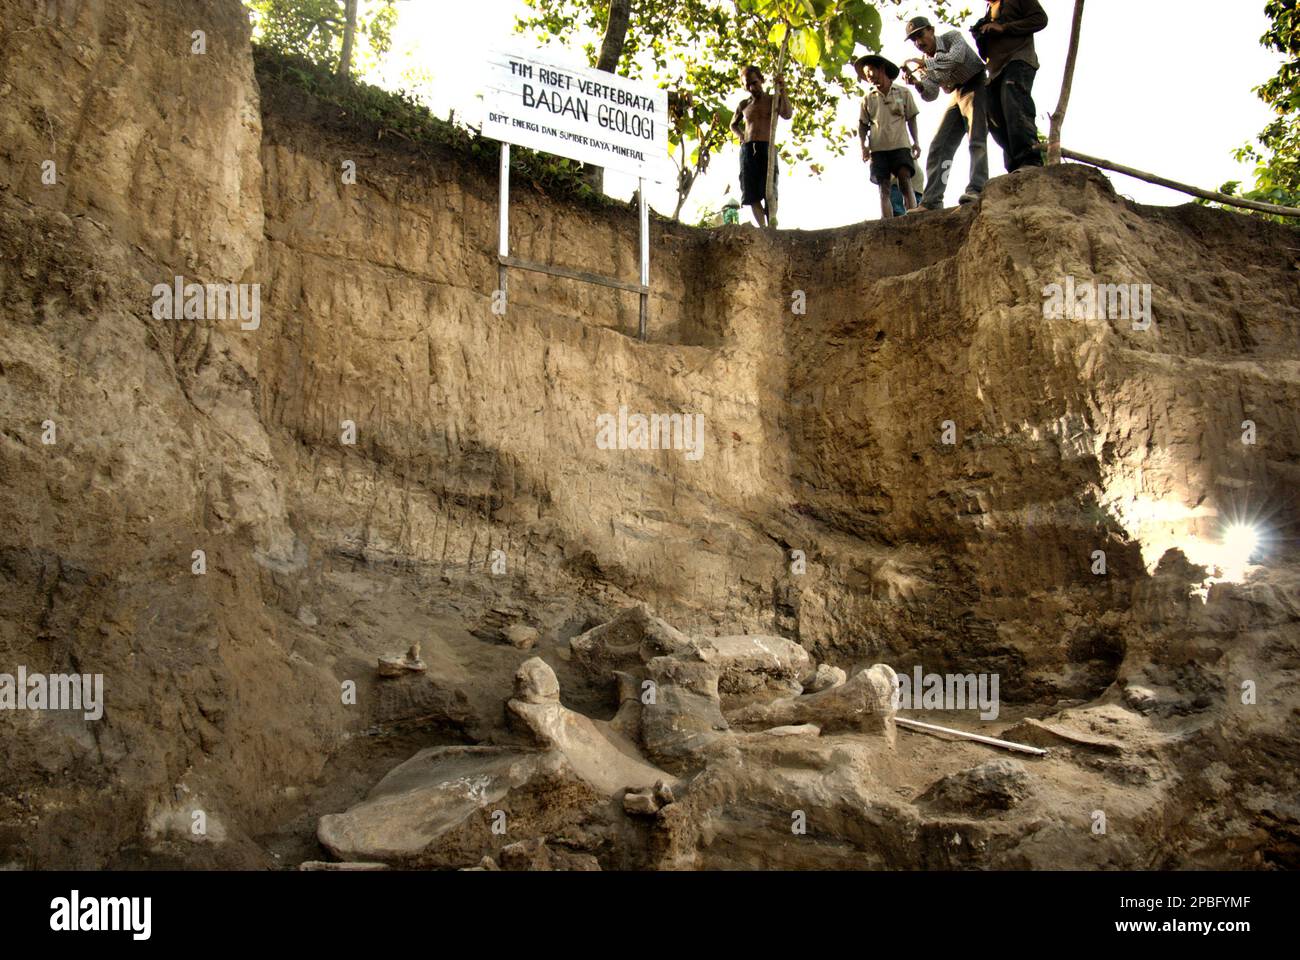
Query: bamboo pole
x=978, y=738
x=1272, y=208
x=769, y=190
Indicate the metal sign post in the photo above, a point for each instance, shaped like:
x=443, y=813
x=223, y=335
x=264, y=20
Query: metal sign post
x=645, y=258
x=586, y=115
x=504, y=260
x=503, y=239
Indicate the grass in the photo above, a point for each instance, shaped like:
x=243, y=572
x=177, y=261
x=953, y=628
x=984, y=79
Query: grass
x=400, y=113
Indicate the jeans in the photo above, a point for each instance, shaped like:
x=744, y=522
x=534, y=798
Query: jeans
x=967, y=113
x=1011, y=116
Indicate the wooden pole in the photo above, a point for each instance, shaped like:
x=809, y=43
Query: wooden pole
x=1058, y=117
x=1272, y=208
x=769, y=193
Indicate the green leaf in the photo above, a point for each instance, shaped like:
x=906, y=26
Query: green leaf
x=806, y=46
x=839, y=48
x=865, y=21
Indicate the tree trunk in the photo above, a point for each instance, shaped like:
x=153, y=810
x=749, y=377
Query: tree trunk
x=769, y=190
x=611, y=51
x=685, y=181
x=349, y=37
x=611, y=47
x=1058, y=117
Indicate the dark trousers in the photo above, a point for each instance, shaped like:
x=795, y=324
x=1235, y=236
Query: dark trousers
x=1011, y=116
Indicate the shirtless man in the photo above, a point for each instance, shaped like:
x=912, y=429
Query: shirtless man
x=753, y=124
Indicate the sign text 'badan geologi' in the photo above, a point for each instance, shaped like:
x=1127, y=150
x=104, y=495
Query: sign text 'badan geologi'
x=586, y=115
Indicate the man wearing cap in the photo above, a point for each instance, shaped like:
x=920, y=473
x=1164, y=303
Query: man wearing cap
x=1005, y=38
x=888, y=116
x=952, y=65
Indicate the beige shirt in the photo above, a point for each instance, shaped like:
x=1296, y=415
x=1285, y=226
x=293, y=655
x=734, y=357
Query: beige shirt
x=888, y=115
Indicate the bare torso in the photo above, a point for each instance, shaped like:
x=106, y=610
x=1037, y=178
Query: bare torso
x=753, y=120
x=757, y=112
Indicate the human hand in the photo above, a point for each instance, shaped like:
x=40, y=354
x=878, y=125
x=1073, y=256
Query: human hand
x=916, y=151
x=866, y=154
x=993, y=27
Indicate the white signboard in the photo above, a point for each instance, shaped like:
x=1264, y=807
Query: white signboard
x=585, y=115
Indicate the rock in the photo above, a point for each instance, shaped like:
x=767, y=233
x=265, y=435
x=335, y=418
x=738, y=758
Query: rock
x=424, y=811
x=641, y=803
x=664, y=793
x=1037, y=733
x=494, y=623
x=993, y=785
x=521, y=636
x=827, y=677
x=418, y=696
x=631, y=639
x=802, y=730
x=686, y=714
x=755, y=665
x=525, y=855
x=863, y=704
x=1141, y=699
x=737, y=809
x=535, y=682
x=536, y=854
x=749, y=666
x=393, y=665
x=571, y=860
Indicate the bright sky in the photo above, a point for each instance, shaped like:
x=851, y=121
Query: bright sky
x=1142, y=96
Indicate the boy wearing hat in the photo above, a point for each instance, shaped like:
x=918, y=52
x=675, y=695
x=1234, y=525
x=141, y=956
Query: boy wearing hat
x=952, y=65
x=888, y=116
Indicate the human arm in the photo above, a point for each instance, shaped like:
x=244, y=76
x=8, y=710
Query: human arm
x=977, y=31
x=916, y=139
x=928, y=88
x=738, y=121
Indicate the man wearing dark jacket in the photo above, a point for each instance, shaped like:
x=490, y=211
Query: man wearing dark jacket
x=1005, y=39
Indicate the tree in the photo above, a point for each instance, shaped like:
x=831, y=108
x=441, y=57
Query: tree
x=325, y=31
x=611, y=45
x=611, y=50
x=349, y=37
x=697, y=48
x=1067, y=84
x=1277, y=171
